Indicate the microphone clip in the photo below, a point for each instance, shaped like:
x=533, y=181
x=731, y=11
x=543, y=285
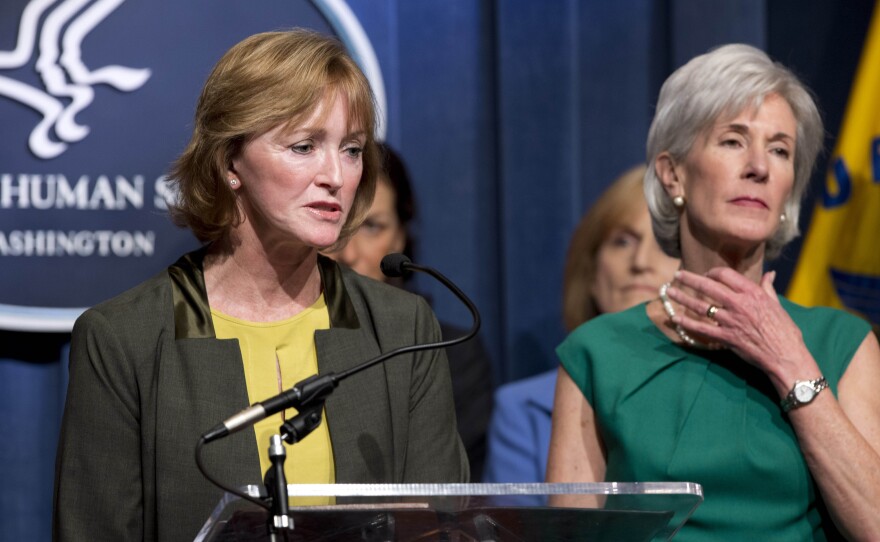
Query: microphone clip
x=313, y=392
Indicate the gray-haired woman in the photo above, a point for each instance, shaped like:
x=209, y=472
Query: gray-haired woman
x=720, y=381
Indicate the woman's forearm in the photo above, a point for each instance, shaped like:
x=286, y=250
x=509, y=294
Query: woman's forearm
x=840, y=440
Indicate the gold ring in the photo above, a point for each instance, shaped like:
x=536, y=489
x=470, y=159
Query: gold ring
x=710, y=312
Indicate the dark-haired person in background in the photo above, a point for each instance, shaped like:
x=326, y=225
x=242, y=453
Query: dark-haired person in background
x=282, y=163
x=771, y=406
x=386, y=229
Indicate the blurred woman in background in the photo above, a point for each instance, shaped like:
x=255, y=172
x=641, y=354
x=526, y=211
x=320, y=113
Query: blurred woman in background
x=613, y=263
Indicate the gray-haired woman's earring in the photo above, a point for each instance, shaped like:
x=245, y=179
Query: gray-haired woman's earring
x=679, y=202
x=782, y=217
x=233, y=182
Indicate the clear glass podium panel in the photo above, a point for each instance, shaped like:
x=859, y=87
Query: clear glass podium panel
x=616, y=511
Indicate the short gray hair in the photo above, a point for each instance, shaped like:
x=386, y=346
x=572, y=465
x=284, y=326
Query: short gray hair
x=726, y=81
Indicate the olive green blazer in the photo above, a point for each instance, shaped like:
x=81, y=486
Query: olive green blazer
x=148, y=378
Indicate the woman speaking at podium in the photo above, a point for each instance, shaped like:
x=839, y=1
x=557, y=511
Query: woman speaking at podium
x=281, y=165
x=772, y=407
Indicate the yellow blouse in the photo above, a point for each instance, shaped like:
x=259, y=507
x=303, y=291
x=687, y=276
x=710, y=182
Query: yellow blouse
x=276, y=356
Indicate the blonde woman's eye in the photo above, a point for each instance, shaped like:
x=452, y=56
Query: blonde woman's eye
x=354, y=152
x=302, y=148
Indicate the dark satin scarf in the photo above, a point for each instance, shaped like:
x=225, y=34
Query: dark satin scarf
x=192, y=314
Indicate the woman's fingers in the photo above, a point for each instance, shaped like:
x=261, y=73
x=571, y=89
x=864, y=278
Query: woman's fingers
x=706, y=286
x=715, y=332
x=697, y=305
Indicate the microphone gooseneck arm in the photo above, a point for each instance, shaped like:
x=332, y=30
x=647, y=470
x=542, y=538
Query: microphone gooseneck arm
x=395, y=265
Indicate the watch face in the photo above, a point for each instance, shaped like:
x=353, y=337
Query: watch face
x=804, y=393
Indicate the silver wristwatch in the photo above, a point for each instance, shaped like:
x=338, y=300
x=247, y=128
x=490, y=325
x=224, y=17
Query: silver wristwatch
x=803, y=392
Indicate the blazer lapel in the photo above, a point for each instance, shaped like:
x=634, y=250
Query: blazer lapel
x=201, y=383
x=202, y=379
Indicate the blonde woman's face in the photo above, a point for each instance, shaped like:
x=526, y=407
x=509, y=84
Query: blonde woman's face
x=630, y=266
x=297, y=186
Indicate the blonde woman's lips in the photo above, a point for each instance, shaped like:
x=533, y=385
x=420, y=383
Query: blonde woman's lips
x=326, y=210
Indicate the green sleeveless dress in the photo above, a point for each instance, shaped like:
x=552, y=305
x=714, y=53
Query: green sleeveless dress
x=667, y=413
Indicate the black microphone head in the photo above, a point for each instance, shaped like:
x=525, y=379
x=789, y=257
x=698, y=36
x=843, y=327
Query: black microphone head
x=393, y=264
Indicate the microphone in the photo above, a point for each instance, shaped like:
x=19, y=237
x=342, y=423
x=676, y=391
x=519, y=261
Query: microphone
x=397, y=264
x=394, y=264
x=317, y=387
x=302, y=393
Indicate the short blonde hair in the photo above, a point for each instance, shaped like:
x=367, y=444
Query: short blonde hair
x=266, y=80
x=614, y=208
x=726, y=81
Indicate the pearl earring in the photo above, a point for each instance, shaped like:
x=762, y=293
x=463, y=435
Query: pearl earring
x=782, y=217
x=233, y=182
x=679, y=202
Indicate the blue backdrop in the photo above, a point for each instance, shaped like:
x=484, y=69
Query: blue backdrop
x=513, y=115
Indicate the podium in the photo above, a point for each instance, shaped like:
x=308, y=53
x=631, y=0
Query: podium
x=464, y=512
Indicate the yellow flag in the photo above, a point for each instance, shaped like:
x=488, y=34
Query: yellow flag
x=839, y=264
